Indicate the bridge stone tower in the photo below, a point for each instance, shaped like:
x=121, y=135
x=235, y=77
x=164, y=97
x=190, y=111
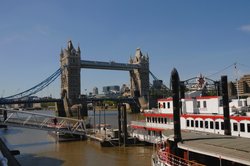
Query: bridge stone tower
x=70, y=59
x=139, y=78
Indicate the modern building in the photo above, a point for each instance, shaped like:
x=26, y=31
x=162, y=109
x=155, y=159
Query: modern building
x=111, y=89
x=242, y=86
x=95, y=91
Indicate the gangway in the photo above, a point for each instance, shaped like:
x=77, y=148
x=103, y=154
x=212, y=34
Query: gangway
x=27, y=119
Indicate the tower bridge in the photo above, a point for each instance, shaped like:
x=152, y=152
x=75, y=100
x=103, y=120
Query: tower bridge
x=70, y=68
x=72, y=64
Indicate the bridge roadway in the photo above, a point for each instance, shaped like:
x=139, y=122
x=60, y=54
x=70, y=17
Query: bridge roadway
x=47, y=100
x=28, y=119
x=109, y=65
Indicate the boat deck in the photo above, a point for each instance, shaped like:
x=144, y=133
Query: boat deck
x=231, y=148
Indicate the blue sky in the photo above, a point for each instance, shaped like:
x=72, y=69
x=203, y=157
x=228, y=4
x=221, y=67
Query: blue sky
x=194, y=36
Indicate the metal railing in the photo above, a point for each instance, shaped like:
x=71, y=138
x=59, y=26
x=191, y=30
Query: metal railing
x=38, y=121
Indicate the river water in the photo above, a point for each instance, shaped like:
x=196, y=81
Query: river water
x=37, y=148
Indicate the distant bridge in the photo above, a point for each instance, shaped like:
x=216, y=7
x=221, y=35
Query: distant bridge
x=27, y=119
x=48, y=100
x=25, y=101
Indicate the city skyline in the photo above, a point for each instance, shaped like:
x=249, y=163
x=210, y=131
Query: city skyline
x=192, y=36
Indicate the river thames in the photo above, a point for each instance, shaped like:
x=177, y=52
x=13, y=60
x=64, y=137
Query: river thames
x=37, y=147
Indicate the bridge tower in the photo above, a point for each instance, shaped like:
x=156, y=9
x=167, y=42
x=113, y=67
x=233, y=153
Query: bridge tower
x=70, y=59
x=139, y=78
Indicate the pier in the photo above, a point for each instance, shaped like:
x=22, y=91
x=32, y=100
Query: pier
x=109, y=137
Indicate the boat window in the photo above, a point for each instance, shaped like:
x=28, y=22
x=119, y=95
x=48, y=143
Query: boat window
x=198, y=104
x=153, y=119
x=201, y=124
x=196, y=123
x=159, y=120
x=206, y=124
x=242, y=127
x=211, y=125
x=222, y=125
x=192, y=123
x=188, y=123
x=168, y=104
x=248, y=127
x=221, y=103
x=162, y=120
x=204, y=104
x=235, y=126
x=217, y=125
x=164, y=105
x=159, y=105
x=165, y=120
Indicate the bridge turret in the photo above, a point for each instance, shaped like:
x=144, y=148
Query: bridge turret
x=140, y=77
x=61, y=54
x=70, y=45
x=70, y=78
x=78, y=50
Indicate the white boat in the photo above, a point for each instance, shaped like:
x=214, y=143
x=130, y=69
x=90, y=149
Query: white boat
x=197, y=113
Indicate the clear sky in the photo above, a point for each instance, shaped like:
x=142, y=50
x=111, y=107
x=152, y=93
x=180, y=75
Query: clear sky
x=195, y=36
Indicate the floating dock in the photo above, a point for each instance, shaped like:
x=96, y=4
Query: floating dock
x=111, y=139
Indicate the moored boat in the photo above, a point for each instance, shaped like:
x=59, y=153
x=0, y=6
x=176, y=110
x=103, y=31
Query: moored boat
x=203, y=113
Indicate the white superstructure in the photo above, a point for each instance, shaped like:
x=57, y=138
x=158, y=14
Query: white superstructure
x=198, y=113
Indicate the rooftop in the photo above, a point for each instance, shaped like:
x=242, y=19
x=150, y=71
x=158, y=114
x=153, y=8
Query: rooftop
x=231, y=148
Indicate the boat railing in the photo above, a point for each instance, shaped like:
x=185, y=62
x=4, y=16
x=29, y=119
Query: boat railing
x=170, y=159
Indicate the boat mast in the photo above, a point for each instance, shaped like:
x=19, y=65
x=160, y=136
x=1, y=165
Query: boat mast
x=236, y=78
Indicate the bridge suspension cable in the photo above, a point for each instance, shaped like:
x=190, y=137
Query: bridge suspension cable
x=36, y=88
x=154, y=77
x=220, y=71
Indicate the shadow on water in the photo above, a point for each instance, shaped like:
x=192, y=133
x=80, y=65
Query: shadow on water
x=31, y=160
x=32, y=144
x=9, y=131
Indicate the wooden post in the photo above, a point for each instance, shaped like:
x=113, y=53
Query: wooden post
x=182, y=89
x=224, y=85
x=176, y=104
x=119, y=124
x=125, y=133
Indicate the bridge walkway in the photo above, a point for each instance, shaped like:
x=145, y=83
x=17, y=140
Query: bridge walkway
x=28, y=119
